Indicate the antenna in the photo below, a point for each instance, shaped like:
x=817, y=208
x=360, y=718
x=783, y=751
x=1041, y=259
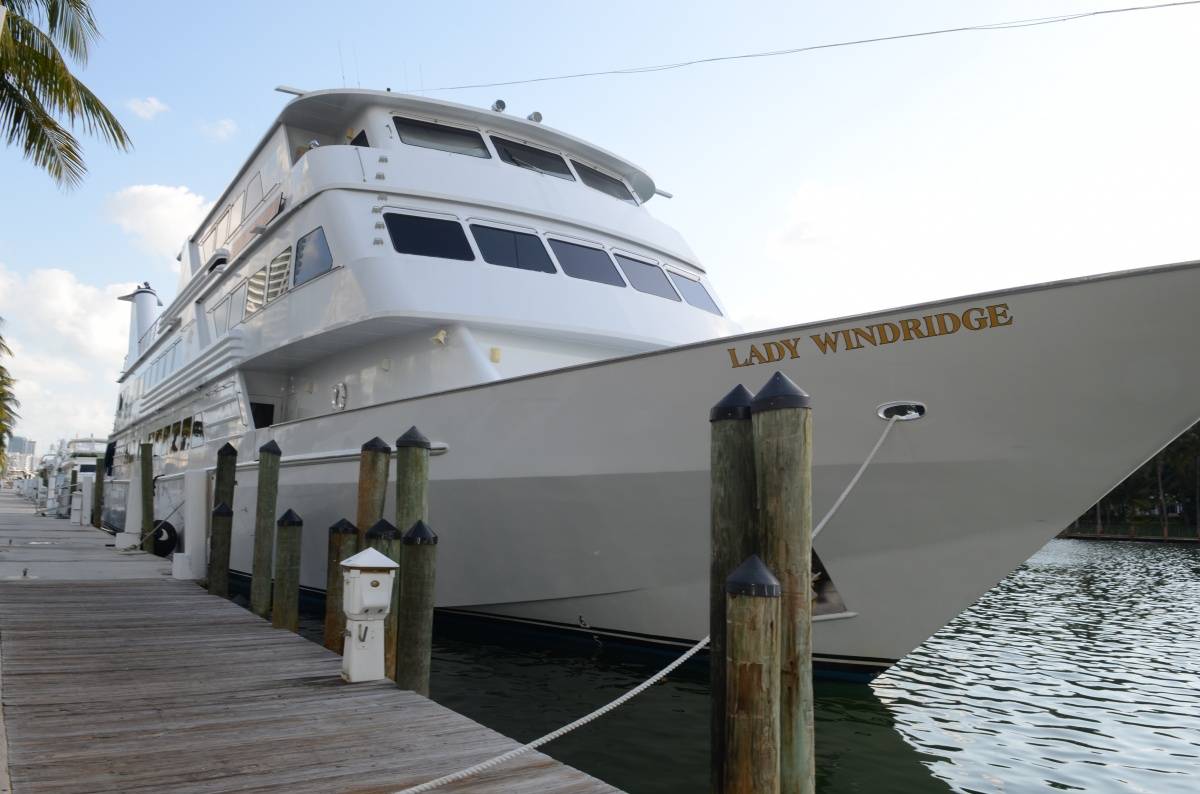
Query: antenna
x=341, y=63
x=287, y=89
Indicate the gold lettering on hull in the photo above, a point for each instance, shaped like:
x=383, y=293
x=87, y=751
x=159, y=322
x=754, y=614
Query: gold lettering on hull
x=909, y=329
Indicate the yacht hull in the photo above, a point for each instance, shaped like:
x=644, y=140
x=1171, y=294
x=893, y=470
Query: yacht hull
x=578, y=498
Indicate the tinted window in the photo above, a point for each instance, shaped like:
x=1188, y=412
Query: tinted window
x=256, y=292
x=539, y=160
x=428, y=237
x=694, y=293
x=603, y=182
x=312, y=257
x=580, y=261
x=254, y=193
x=645, y=277
x=439, y=136
x=512, y=249
x=277, y=274
x=360, y=139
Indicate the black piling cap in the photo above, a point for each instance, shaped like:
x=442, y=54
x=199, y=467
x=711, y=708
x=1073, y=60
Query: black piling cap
x=270, y=448
x=412, y=438
x=227, y=450
x=343, y=527
x=383, y=529
x=419, y=534
x=780, y=392
x=735, y=405
x=753, y=578
x=290, y=519
x=376, y=444
x=222, y=509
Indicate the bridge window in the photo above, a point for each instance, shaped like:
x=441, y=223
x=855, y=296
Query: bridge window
x=534, y=159
x=312, y=257
x=277, y=274
x=256, y=292
x=591, y=264
x=360, y=139
x=438, y=136
x=645, y=277
x=420, y=236
x=512, y=249
x=694, y=293
x=598, y=180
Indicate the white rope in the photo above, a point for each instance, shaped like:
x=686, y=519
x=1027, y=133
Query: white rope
x=642, y=687
x=536, y=743
x=854, y=480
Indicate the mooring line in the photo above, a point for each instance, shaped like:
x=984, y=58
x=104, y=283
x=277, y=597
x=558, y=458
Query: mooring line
x=854, y=480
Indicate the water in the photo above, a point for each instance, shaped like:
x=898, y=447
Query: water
x=1079, y=672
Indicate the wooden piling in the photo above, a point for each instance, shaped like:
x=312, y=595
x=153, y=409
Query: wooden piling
x=98, y=495
x=385, y=539
x=412, y=478
x=732, y=524
x=782, y=422
x=414, y=632
x=146, y=468
x=226, y=475
x=751, y=705
x=285, y=597
x=343, y=544
x=373, y=465
x=220, y=540
x=264, y=528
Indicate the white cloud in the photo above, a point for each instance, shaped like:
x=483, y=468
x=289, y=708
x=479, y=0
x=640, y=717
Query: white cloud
x=68, y=340
x=147, y=108
x=158, y=217
x=220, y=130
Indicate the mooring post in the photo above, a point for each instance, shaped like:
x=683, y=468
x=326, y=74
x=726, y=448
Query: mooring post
x=98, y=494
x=146, y=465
x=385, y=539
x=782, y=421
x=264, y=528
x=414, y=632
x=412, y=478
x=226, y=475
x=220, y=541
x=372, y=484
x=343, y=544
x=285, y=597
x=750, y=708
x=732, y=523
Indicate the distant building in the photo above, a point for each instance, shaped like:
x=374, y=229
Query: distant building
x=19, y=445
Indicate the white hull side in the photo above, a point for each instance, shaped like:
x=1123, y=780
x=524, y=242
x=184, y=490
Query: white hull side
x=584, y=492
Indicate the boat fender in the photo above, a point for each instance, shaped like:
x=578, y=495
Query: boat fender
x=165, y=539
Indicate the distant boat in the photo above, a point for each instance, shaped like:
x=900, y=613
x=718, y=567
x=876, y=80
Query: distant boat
x=382, y=261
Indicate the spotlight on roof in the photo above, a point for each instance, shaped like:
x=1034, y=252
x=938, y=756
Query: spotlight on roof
x=499, y=106
x=535, y=117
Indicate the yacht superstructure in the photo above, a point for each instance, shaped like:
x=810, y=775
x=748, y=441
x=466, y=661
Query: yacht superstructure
x=383, y=261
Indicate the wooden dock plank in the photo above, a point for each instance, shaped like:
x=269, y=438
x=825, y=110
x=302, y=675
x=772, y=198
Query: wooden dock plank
x=116, y=678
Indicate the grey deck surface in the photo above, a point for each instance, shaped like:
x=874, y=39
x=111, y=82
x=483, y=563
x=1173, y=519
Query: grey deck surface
x=115, y=677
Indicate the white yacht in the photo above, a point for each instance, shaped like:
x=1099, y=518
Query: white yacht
x=382, y=261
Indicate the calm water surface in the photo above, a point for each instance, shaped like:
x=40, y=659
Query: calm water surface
x=1079, y=672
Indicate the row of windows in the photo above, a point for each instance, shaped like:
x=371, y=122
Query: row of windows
x=312, y=258
x=241, y=208
x=187, y=433
x=437, y=237
x=469, y=142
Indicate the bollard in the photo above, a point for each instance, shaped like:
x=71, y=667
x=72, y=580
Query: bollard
x=218, y=558
x=98, y=495
x=732, y=522
x=751, y=659
x=414, y=631
x=343, y=544
x=226, y=475
x=285, y=597
x=264, y=535
x=385, y=538
x=412, y=478
x=146, y=466
x=782, y=422
x=373, y=465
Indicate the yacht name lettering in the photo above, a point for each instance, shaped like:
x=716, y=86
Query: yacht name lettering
x=976, y=318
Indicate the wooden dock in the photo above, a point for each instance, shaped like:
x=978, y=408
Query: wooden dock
x=116, y=677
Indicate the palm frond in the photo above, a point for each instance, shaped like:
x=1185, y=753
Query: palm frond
x=69, y=22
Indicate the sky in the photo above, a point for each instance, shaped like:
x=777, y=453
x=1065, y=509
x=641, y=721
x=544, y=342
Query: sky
x=813, y=185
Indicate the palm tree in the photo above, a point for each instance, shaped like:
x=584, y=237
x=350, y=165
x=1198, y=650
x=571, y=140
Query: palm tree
x=37, y=88
x=8, y=404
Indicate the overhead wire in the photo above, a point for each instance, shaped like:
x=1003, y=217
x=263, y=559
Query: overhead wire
x=1008, y=25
